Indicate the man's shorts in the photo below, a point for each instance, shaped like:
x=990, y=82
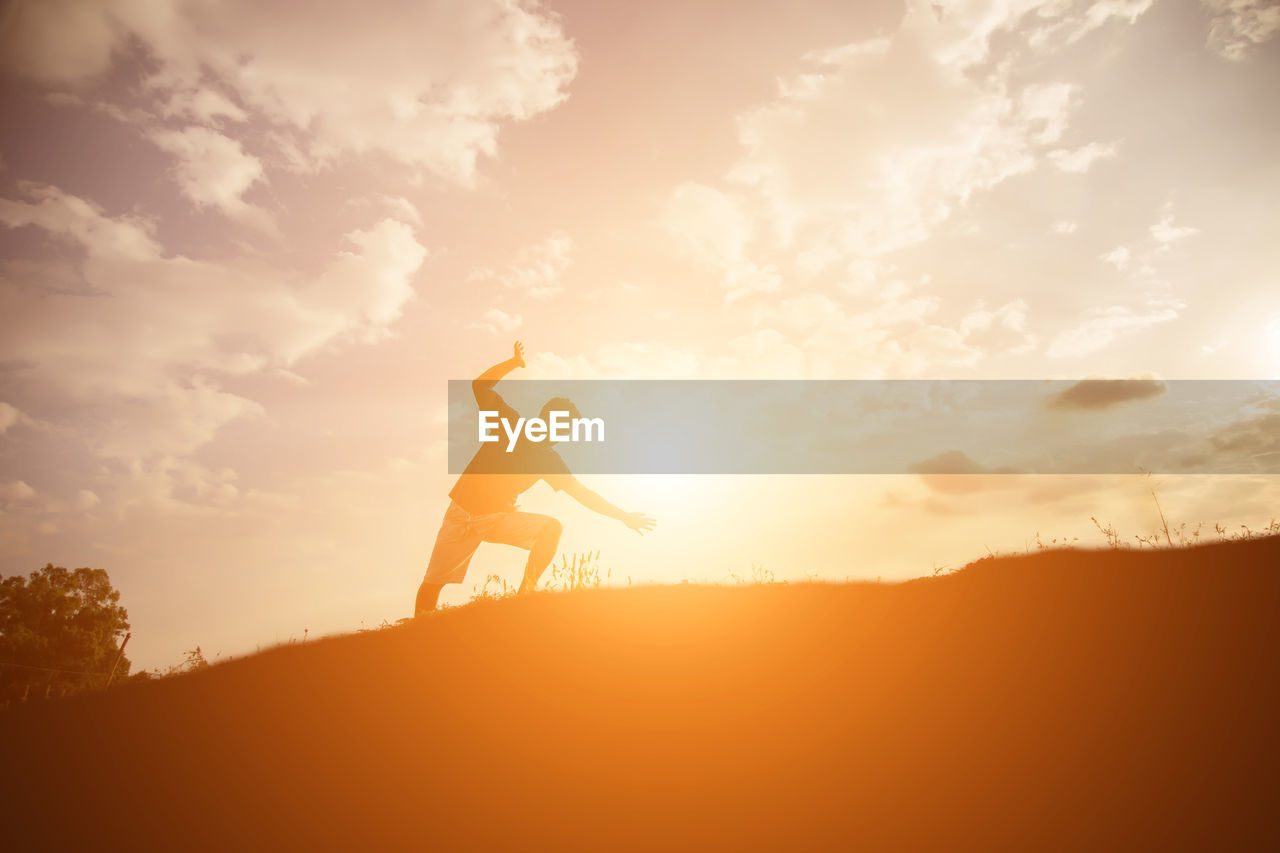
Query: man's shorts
x=461, y=534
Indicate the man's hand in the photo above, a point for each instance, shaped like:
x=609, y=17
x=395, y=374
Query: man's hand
x=482, y=385
x=569, y=484
x=638, y=521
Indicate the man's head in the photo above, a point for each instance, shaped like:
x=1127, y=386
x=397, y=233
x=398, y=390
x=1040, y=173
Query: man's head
x=559, y=404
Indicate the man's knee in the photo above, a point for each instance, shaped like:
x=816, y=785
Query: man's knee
x=550, y=532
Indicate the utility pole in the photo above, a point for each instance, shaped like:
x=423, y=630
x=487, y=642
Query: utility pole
x=116, y=663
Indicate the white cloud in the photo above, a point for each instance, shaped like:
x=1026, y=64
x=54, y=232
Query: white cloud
x=402, y=208
x=1066, y=22
x=1166, y=232
x=870, y=146
x=1238, y=25
x=866, y=151
x=427, y=84
x=125, y=238
x=1118, y=257
x=213, y=170
x=175, y=486
x=16, y=491
x=1129, y=11
x=154, y=333
x=1045, y=108
x=86, y=500
x=713, y=229
x=762, y=354
x=1080, y=159
x=897, y=335
x=623, y=360
x=1003, y=331
x=498, y=322
x=206, y=105
x=537, y=270
x=1107, y=324
x=397, y=206
x=9, y=416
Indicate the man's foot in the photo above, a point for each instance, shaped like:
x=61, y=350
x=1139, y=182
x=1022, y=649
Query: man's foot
x=428, y=595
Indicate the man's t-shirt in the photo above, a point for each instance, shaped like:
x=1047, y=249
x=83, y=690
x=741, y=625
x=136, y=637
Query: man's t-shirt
x=494, y=478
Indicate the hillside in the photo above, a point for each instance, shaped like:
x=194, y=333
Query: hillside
x=1072, y=699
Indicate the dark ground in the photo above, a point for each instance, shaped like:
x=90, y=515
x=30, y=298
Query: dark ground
x=1072, y=700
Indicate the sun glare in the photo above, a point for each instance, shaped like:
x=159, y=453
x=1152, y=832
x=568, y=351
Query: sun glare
x=1271, y=348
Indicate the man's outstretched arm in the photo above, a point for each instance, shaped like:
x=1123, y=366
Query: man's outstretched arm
x=569, y=484
x=482, y=386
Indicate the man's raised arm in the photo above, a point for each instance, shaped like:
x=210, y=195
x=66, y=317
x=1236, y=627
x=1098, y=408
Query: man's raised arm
x=482, y=386
x=569, y=484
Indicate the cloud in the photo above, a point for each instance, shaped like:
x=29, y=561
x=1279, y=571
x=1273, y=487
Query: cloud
x=213, y=170
x=9, y=416
x=1238, y=25
x=954, y=472
x=59, y=41
x=206, y=106
x=537, y=270
x=1064, y=23
x=402, y=208
x=876, y=149
x=143, y=348
x=866, y=151
x=1101, y=11
x=16, y=491
x=426, y=84
x=498, y=322
x=871, y=146
x=954, y=462
x=1003, y=331
x=1098, y=394
x=1165, y=231
x=1118, y=257
x=622, y=360
x=1254, y=438
x=1079, y=160
x=762, y=354
x=893, y=332
x=125, y=238
x=1106, y=324
x=712, y=228
x=1063, y=226
x=397, y=206
x=1251, y=443
x=1141, y=268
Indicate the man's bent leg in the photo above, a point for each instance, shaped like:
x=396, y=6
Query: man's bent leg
x=541, y=554
x=455, y=544
x=537, y=534
x=428, y=595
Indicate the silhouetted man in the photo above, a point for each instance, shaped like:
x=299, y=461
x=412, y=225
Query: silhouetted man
x=483, y=505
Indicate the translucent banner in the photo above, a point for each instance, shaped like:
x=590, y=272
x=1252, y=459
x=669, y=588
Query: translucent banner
x=1092, y=426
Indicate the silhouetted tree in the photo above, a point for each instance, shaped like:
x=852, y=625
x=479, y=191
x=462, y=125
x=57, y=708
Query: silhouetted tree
x=60, y=630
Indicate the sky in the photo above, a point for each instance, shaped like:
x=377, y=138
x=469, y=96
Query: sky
x=244, y=246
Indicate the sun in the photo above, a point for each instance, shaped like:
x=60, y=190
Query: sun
x=669, y=494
